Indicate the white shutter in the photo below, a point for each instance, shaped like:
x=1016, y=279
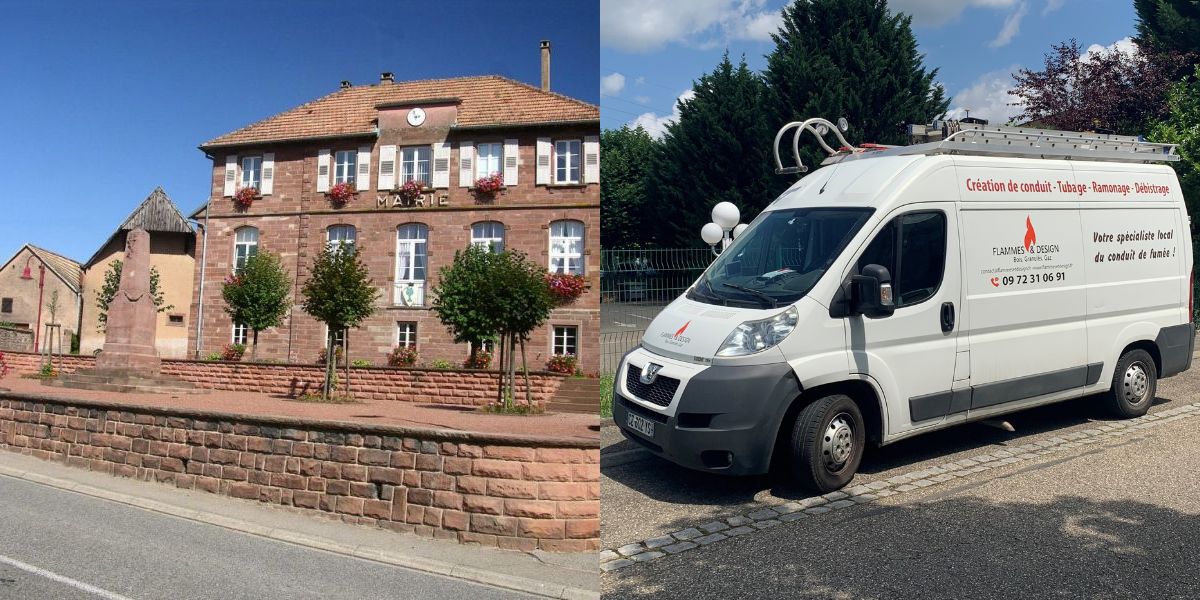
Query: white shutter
x=543, y=161
x=268, y=174
x=511, y=155
x=323, y=170
x=591, y=159
x=230, y=175
x=441, y=165
x=362, y=181
x=466, y=164
x=387, y=167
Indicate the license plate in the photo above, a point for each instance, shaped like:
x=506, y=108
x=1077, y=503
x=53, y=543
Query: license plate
x=640, y=424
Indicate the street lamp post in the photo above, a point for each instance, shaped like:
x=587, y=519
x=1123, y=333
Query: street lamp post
x=724, y=227
x=41, y=289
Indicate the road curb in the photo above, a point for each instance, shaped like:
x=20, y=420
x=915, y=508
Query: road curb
x=765, y=515
x=475, y=575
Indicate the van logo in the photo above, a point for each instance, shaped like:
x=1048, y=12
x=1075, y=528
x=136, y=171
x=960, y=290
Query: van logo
x=676, y=339
x=682, y=329
x=650, y=373
x=1030, y=234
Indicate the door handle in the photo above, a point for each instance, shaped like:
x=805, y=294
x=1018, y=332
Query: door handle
x=947, y=316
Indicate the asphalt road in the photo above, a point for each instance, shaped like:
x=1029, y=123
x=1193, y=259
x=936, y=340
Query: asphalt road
x=1115, y=519
x=57, y=544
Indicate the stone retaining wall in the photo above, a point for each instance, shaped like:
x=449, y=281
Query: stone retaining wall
x=16, y=339
x=437, y=386
x=515, y=492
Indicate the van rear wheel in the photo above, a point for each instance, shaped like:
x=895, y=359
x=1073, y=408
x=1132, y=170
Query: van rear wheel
x=827, y=443
x=1134, y=383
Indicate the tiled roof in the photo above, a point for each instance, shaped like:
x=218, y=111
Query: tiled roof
x=484, y=101
x=69, y=271
x=156, y=214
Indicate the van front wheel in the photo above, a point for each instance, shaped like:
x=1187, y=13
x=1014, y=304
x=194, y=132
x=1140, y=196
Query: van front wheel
x=827, y=443
x=1134, y=384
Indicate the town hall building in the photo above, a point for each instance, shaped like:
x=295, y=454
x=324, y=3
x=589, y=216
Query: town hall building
x=402, y=170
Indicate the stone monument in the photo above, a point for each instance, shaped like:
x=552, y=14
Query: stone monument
x=129, y=361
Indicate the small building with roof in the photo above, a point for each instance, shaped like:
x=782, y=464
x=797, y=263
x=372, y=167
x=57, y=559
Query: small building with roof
x=172, y=256
x=28, y=282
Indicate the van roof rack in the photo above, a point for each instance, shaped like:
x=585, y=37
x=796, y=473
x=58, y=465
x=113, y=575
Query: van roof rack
x=955, y=137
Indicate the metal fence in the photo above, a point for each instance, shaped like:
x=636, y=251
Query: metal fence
x=634, y=286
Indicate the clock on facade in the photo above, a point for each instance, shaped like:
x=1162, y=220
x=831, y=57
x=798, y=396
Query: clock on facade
x=416, y=116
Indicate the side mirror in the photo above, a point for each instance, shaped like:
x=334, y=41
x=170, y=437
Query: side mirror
x=871, y=292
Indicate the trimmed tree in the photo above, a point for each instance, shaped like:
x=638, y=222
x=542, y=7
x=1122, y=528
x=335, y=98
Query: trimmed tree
x=257, y=295
x=112, y=282
x=338, y=293
x=462, y=296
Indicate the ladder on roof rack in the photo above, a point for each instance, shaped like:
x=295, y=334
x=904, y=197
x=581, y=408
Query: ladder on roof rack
x=983, y=140
x=1023, y=142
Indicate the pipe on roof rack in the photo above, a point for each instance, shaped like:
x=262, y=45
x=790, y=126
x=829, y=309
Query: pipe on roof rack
x=810, y=125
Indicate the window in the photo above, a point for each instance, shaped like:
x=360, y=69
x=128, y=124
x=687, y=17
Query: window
x=414, y=164
x=411, y=241
x=245, y=245
x=252, y=172
x=6, y=305
x=406, y=334
x=565, y=339
x=566, y=161
x=566, y=247
x=919, y=240
x=241, y=333
x=176, y=320
x=488, y=235
x=344, y=166
x=489, y=159
x=339, y=338
x=341, y=234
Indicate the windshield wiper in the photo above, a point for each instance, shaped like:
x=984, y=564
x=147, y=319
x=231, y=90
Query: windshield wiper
x=711, y=294
x=771, y=303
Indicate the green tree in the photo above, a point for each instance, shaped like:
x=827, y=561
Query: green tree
x=485, y=294
x=112, y=282
x=338, y=293
x=718, y=150
x=626, y=154
x=1182, y=127
x=853, y=59
x=462, y=297
x=257, y=295
x=1165, y=26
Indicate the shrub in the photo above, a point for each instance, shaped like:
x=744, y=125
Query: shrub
x=403, y=356
x=214, y=356
x=562, y=363
x=337, y=355
x=442, y=363
x=358, y=362
x=47, y=371
x=233, y=352
x=481, y=360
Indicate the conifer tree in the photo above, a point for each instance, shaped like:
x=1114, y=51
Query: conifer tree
x=625, y=154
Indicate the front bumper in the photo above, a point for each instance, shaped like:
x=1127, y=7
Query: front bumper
x=722, y=419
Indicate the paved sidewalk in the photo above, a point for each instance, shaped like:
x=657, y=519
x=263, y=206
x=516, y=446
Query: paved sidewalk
x=1112, y=511
x=547, y=574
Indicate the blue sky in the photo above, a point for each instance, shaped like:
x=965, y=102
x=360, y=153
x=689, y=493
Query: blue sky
x=101, y=102
x=652, y=50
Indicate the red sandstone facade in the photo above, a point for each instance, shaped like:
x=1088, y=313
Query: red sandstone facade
x=293, y=158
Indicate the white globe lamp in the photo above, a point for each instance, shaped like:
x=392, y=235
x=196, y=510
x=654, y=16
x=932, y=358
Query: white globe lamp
x=739, y=229
x=711, y=233
x=726, y=215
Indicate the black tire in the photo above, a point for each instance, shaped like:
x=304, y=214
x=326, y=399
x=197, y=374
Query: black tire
x=1134, y=384
x=814, y=435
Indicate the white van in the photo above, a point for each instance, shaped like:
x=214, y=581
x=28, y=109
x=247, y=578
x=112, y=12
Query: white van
x=904, y=290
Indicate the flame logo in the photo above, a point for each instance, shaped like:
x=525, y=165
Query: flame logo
x=682, y=329
x=1030, y=234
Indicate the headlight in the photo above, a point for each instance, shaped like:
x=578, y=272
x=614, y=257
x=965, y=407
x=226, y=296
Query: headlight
x=756, y=336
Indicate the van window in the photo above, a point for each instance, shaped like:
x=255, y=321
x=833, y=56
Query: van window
x=919, y=239
x=780, y=257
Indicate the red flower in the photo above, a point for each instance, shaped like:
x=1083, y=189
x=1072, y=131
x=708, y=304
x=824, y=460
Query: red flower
x=341, y=193
x=566, y=286
x=562, y=363
x=489, y=184
x=411, y=190
x=244, y=197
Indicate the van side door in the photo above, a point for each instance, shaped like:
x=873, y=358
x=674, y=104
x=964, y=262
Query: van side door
x=911, y=353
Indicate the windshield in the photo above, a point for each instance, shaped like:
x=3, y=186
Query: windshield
x=780, y=257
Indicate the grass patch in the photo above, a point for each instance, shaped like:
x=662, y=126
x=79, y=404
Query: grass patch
x=516, y=409
x=333, y=399
x=606, y=396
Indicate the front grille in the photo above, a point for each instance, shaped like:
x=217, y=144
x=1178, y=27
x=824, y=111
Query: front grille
x=660, y=393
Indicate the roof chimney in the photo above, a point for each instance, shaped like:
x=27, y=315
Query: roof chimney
x=545, y=65
x=387, y=77
x=345, y=84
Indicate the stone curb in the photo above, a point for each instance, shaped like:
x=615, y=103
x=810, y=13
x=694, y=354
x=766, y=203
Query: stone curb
x=770, y=515
x=441, y=435
x=480, y=576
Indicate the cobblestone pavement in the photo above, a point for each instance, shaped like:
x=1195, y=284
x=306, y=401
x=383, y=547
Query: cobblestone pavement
x=721, y=522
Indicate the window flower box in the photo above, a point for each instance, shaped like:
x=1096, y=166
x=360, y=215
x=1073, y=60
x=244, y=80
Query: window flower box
x=566, y=287
x=245, y=197
x=411, y=191
x=486, y=188
x=341, y=193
